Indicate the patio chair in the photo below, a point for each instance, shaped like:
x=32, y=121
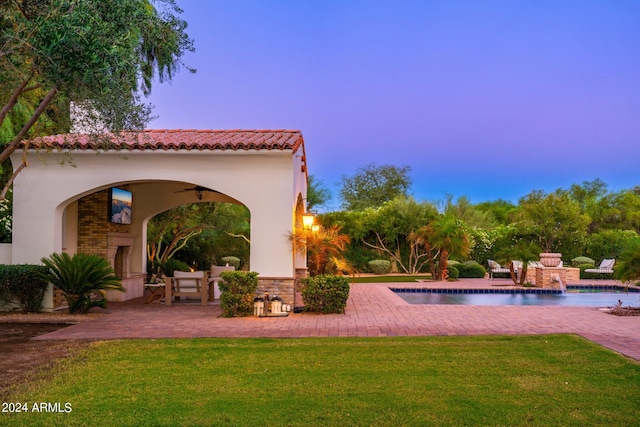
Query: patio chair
x=214, y=278
x=494, y=267
x=605, y=267
x=157, y=292
x=187, y=284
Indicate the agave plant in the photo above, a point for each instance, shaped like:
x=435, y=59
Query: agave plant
x=82, y=278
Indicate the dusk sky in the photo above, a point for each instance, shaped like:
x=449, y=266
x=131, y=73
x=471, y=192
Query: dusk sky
x=485, y=99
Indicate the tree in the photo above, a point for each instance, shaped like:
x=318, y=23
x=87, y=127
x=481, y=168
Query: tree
x=555, y=220
x=627, y=267
x=317, y=193
x=390, y=230
x=98, y=53
x=500, y=210
x=524, y=252
x=444, y=237
x=373, y=185
x=324, y=248
x=170, y=231
x=464, y=210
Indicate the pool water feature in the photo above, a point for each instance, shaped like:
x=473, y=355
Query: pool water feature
x=576, y=296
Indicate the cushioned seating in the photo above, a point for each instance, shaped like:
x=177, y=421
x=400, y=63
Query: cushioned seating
x=605, y=267
x=494, y=267
x=214, y=278
x=187, y=284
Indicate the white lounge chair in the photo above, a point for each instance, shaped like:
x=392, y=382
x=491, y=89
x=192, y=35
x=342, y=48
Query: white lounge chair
x=214, y=278
x=605, y=267
x=494, y=267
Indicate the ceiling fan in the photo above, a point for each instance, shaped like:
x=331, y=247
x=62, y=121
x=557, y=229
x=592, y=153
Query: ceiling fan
x=198, y=190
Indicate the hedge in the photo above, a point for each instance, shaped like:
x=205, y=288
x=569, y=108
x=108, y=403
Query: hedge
x=20, y=283
x=380, y=266
x=471, y=270
x=325, y=294
x=238, y=290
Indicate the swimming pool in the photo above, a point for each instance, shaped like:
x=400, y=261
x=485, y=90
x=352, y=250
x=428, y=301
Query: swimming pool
x=602, y=296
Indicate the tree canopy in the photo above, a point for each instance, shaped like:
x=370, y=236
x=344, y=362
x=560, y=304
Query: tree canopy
x=100, y=54
x=373, y=185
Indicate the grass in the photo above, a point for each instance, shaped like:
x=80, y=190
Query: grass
x=488, y=380
x=390, y=278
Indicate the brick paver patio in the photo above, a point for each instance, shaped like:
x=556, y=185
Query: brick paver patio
x=372, y=311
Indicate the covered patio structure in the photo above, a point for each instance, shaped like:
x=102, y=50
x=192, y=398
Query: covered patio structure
x=61, y=199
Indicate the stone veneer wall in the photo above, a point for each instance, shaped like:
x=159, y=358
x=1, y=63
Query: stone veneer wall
x=277, y=286
x=94, y=224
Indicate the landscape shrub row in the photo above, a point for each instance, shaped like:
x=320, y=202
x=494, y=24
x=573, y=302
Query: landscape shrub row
x=325, y=294
x=21, y=284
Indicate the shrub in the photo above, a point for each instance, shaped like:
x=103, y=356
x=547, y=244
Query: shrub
x=452, y=262
x=380, y=266
x=238, y=290
x=325, y=294
x=231, y=260
x=82, y=278
x=578, y=261
x=454, y=273
x=471, y=270
x=24, y=285
x=172, y=265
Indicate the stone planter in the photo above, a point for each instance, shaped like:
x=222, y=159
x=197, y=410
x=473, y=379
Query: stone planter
x=549, y=259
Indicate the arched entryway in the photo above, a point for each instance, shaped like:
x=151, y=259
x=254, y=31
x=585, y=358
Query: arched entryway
x=264, y=170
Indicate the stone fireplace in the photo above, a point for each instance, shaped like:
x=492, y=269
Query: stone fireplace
x=119, y=249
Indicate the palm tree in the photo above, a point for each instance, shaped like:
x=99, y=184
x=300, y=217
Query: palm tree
x=627, y=269
x=322, y=246
x=449, y=235
x=82, y=278
x=524, y=252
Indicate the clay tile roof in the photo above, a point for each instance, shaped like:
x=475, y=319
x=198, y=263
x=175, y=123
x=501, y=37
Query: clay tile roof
x=176, y=139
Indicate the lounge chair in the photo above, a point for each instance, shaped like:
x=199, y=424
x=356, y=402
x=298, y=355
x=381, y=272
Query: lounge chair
x=605, y=267
x=494, y=267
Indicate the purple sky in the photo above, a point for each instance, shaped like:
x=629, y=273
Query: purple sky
x=488, y=99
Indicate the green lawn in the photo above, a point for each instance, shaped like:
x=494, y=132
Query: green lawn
x=488, y=380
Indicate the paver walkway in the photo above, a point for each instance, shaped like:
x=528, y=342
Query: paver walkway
x=372, y=311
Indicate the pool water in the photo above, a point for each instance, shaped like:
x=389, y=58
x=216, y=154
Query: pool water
x=571, y=297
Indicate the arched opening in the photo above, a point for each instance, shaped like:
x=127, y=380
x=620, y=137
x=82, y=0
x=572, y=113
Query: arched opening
x=88, y=226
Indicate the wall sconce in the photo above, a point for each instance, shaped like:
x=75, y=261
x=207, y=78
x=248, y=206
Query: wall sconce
x=308, y=220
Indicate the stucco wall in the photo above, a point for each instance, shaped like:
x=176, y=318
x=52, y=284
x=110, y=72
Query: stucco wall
x=261, y=180
x=5, y=253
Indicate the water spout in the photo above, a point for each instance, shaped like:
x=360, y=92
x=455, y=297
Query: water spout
x=556, y=278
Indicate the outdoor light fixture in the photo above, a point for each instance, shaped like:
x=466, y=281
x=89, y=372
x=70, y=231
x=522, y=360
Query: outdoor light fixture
x=307, y=220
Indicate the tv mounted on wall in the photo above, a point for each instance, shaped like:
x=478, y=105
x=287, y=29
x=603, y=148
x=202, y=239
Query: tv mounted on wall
x=120, y=206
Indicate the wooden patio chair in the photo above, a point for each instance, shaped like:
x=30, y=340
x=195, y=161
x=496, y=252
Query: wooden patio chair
x=187, y=284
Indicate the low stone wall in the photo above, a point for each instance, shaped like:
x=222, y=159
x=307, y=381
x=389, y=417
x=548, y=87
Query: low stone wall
x=277, y=286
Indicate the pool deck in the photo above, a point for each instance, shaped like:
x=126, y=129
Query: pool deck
x=373, y=310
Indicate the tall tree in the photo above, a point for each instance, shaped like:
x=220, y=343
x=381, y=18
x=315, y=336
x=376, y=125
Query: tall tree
x=390, y=231
x=317, y=193
x=556, y=220
x=101, y=54
x=372, y=185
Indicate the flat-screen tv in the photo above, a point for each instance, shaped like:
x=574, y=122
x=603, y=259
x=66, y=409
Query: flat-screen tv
x=120, y=206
